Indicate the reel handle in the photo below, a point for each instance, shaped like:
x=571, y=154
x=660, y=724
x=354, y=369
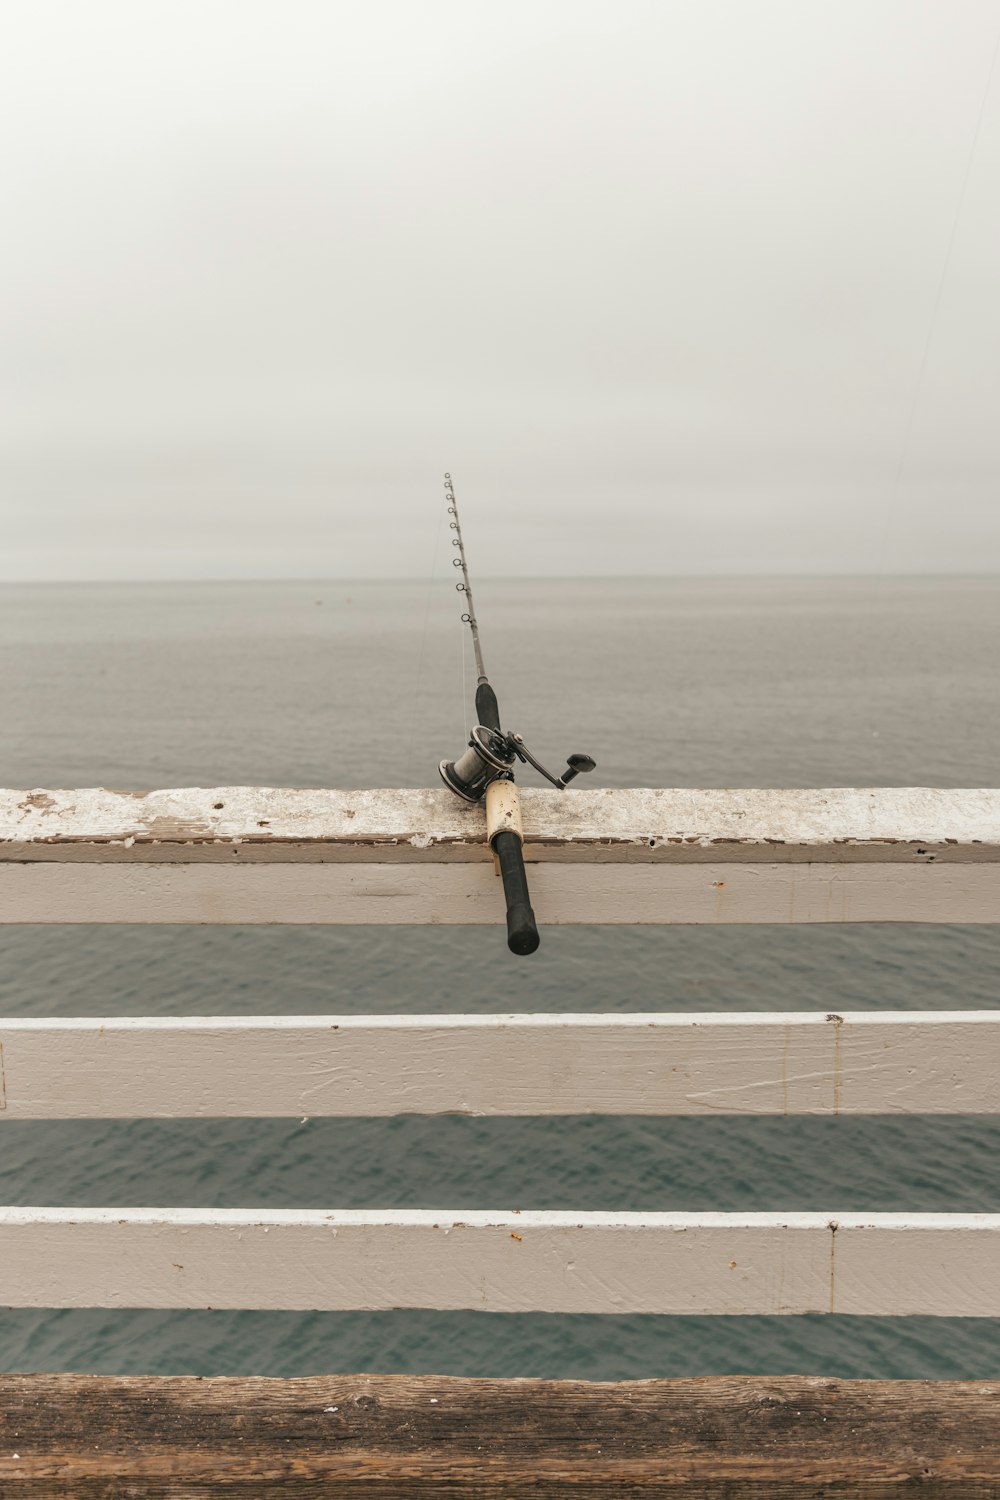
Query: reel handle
x=522, y=930
x=576, y=766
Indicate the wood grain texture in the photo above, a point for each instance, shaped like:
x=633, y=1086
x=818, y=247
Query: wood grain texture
x=463, y=895
x=392, y=1437
x=945, y=1265
x=865, y=1062
x=884, y=825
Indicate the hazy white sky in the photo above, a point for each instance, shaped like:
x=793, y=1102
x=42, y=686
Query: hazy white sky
x=654, y=279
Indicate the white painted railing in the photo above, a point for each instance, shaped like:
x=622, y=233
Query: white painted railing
x=251, y=855
x=254, y=855
x=752, y=1063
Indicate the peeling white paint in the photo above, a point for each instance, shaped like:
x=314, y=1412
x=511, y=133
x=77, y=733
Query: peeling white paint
x=887, y=824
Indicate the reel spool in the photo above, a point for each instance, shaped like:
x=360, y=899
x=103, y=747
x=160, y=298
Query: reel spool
x=488, y=756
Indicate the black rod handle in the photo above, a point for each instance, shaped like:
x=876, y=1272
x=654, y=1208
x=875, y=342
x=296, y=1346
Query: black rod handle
x=487, y=711
x=522, y=931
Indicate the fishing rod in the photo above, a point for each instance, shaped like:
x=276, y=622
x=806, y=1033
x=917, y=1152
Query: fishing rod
x=486, y=770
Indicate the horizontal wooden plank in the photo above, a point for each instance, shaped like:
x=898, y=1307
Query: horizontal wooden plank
x=389, y=1436
x=865, y=1062
x=884, y=825
x=759, y=1263
x=463, y=895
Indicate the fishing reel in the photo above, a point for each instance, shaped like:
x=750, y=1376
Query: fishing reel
x=491, y=755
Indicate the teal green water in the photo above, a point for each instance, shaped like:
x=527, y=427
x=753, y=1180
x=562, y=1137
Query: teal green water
x=722, y=682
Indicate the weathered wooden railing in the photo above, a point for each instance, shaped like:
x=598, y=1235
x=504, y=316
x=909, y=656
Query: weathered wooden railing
x=254, y=855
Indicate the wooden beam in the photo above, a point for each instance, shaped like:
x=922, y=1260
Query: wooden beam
x=881, y=825
x=463, y=895
x=945, y=1265
x=864, y=1062
x=260, y=855
x=388, y=1437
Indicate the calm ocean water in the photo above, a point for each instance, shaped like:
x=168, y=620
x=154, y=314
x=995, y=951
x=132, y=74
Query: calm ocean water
x=810, y=682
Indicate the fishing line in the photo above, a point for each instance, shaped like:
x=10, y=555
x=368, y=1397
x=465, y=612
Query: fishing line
x=935, y=310
x=465, y=689
x=422, y=654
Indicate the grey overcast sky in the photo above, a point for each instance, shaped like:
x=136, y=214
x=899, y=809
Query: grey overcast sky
x=655, y=279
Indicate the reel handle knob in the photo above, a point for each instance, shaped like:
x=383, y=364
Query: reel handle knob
x=576, y=765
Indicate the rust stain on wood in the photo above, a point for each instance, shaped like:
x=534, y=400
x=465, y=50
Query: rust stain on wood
x=786, y=1047
x=837, y=1023
x=834, y=1226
